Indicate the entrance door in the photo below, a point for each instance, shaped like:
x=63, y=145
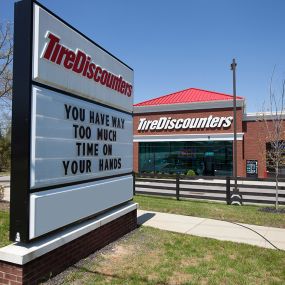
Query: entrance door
x=209, y=164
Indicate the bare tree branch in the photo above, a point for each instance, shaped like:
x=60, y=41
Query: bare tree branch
x=273, y=130
x=6, y=59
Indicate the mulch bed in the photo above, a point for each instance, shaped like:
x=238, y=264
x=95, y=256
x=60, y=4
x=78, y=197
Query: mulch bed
x=272, y=210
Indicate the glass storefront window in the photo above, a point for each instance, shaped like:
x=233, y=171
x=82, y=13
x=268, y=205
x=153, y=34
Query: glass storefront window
x=205, y=158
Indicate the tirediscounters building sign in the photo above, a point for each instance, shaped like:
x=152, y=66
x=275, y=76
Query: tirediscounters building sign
x=168, y=123
x=72, y=127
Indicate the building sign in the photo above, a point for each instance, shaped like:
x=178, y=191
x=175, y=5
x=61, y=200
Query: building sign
x=251, y=168
x=72, y=127
x=168, y=123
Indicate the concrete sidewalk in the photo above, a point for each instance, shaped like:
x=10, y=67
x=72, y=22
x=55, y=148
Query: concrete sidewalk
x=216, y=229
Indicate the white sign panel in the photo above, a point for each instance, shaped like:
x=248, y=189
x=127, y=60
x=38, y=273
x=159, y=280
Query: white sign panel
x=74, y=140
x=52, y=209
x=64, y=59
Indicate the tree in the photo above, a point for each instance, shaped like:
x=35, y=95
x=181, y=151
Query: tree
x=6, y=84
x=273, y=127
x=6, y=58
x=5, y=150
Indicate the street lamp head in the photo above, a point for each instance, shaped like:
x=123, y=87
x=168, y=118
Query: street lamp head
x=233, y=65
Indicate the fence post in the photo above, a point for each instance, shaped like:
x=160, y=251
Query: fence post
x=134, y=183
x=228, y=190
x=177, y=186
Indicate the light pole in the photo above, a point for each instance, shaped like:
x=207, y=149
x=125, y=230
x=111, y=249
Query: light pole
x=235, y=198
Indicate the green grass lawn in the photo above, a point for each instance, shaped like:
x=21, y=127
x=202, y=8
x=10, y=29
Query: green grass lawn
x=153, y=257
x=150, y=256
x=242, y=214
x=4, y=228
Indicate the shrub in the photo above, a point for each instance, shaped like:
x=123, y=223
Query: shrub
x=191, y=173
x=5, y=152
x=1, y=192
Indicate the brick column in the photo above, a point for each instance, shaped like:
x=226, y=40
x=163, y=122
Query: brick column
x=240, y=159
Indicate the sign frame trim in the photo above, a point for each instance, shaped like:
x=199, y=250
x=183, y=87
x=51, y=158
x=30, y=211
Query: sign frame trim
x=45, y=188
x=54, y=89
x=21, y=121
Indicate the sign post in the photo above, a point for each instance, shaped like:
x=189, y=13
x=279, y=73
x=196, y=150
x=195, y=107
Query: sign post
x=236, y=197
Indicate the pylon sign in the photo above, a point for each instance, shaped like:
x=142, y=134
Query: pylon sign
x=72, y=126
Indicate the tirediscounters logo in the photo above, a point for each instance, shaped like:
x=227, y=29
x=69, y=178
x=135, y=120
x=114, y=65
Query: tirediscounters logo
x=167, y=123
x=81, y=63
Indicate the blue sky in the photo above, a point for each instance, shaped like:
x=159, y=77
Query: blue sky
x=174, y=45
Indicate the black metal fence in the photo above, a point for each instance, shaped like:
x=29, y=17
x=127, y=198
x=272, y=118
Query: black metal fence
x=253, y=191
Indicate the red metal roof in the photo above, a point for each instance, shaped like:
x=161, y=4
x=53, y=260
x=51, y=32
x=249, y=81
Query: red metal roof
x=190, y=95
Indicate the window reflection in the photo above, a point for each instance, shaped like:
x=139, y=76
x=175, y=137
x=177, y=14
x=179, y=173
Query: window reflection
x=204, y=158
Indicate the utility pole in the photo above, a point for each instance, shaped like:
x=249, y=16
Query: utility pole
x=235, y=198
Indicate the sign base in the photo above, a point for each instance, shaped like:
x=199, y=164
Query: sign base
x=39, y=260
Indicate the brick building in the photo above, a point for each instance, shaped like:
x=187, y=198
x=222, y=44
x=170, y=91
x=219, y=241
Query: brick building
x=193, y=129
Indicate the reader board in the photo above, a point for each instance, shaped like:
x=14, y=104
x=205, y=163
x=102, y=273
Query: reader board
x=72, y=127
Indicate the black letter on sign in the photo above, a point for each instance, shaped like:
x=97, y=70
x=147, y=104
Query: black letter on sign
x=67, y=110
x=75, y=130
x=119, y=163
x=65, y=165
x=88, y=166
